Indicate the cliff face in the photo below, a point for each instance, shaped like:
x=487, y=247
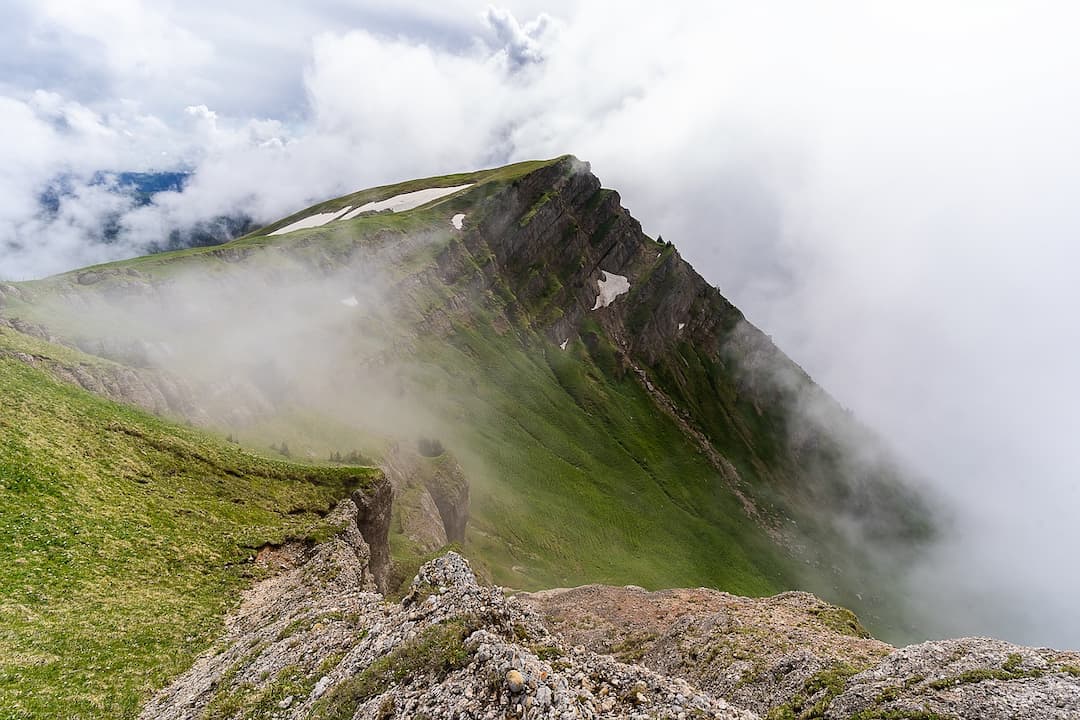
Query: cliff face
x=578, y=268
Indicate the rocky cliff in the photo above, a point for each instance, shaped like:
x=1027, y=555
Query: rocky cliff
x=316, y=642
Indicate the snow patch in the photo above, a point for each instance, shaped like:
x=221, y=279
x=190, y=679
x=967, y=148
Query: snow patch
x=350, y=301
x=311, y=221
x=562, y=345
x=406, y=201
x=682, y=325
x=611, y=287
x=457, y=220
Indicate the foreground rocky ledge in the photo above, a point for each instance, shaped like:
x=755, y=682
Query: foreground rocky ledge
x=317, y=641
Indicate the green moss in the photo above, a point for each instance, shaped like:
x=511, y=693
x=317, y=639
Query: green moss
x=1010, y=670
x=840, y=620
x=632, y=648
x=982, y=675
x=440, y=649
x=888, y=694
x=546, y=652
x=248, y=702
x=876, y=714
x=817, y=694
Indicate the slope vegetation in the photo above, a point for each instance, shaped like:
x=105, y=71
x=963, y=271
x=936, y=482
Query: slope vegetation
x=124, y=540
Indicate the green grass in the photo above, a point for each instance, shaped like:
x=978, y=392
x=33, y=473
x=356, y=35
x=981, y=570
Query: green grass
x=493, y=176
x=577, y=478
x=123, y=541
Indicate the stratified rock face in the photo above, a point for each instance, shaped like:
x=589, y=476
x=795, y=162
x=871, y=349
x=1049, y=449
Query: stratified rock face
x=446, y=483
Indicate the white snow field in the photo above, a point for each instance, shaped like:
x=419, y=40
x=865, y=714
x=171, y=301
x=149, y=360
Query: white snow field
x=457, y=220
x=313, y=221
x=397, y=203
x=611, y=287
x=406, y=201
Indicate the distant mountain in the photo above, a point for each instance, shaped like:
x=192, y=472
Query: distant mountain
x=141, y=188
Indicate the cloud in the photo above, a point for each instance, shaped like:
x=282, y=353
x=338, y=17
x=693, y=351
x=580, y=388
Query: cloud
x=523, y=44
x=888, y=191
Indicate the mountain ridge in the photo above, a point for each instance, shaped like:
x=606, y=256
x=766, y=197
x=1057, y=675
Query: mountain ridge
x=561, y=395
x=536, y=237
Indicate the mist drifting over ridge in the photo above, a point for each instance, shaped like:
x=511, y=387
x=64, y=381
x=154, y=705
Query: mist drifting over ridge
x=887, y=193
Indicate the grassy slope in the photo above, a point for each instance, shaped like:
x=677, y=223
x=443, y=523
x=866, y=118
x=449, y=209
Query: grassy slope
x=123, y=540
x=578, y=478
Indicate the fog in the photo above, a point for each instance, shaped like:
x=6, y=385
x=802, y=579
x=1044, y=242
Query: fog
x=311, y=346
x=886, y=190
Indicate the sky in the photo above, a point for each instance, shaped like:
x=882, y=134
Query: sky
x=888, y=189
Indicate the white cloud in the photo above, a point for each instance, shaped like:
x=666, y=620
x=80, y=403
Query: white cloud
x=522, y=44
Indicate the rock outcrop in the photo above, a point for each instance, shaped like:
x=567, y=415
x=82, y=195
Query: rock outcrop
x=373, y=511
x=965, y=678
x=153, y=390
x=316, y=641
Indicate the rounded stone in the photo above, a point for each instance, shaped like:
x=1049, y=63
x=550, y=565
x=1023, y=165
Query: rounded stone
x=515, y=681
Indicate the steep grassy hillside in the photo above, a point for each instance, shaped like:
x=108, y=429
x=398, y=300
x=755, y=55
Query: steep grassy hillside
x=123, y=540
x=578, y=479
